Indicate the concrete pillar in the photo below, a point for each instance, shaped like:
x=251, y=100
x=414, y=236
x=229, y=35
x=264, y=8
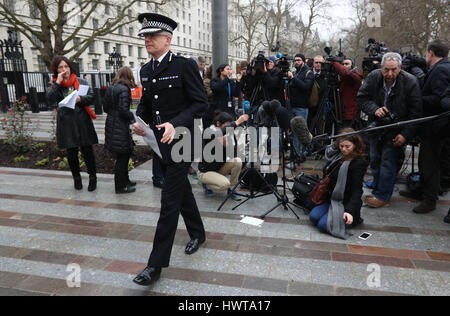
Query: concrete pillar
x=219, y=33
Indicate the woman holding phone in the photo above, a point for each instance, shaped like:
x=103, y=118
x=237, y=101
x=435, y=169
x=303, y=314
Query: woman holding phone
x=74, y=127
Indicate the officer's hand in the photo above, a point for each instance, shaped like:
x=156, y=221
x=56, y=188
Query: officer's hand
x=399, y=141
x=169, y=134
x=138, y=130
x=381, y=112
x=290, y=75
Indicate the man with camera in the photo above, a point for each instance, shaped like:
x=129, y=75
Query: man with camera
x=350, y=81
x=300, y=87
x=262, y=82
x=389, y=95
x=432, y=134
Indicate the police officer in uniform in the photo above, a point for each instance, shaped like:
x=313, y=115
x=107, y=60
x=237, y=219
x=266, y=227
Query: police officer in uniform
x=173, y=96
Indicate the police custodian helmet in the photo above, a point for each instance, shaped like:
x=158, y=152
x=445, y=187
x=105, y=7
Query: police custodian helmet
x=155, y=23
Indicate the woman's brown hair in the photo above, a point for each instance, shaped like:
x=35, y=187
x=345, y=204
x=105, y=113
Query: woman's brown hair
x=55, y=64
x=360, y=148
x=125, y=76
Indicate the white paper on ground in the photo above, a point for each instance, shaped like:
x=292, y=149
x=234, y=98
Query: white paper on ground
x=69, y=101
x=150, y=137
x=83, y=90
x=252, y=221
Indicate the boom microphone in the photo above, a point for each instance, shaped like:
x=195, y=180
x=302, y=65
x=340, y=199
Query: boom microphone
x=300, y=129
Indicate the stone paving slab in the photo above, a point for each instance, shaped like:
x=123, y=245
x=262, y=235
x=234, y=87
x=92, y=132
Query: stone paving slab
x=45, y=224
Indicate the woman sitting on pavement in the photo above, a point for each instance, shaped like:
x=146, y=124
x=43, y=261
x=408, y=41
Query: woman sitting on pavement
x=346, y=171
x=213, y=174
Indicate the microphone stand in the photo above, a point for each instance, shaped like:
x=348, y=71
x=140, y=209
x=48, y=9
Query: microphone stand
x=389, y=126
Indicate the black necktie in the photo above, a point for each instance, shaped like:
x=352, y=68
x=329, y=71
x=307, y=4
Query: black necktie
x=155, y=64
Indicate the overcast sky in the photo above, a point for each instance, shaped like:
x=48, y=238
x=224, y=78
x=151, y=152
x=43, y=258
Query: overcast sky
x=341, y=14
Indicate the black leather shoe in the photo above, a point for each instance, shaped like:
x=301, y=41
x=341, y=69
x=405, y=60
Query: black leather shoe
x=92, y=184
x=447, y=218
x=78, y=184
x=425, y=207
x=132, y=183
x=126, y=190
x=412, y=195
x=158, y=184
x=148, y=276
x=193, y=246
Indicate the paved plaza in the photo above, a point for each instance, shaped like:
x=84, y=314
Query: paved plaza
x=47, y=229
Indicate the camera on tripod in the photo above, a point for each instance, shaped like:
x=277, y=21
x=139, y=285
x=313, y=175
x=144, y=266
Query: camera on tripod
x=258, y=64
x=376, y=52
x=327, y=67
x=284, y=65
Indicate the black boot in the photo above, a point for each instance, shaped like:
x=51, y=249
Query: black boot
x=447, y=218
x=426, y=206
x=92, y=183
x=78, y=184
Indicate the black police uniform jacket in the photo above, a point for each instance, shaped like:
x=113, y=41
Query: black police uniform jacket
x=172, y=93
x=74, y=128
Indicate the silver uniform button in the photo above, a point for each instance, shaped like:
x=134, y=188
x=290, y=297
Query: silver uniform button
x=170, y=86
x=154, y=81
x=156, y=97
x=157, y=112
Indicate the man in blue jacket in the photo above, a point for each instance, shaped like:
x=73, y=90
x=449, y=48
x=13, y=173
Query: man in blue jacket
x=300, y=87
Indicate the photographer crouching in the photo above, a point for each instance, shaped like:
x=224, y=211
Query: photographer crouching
x=389, y=95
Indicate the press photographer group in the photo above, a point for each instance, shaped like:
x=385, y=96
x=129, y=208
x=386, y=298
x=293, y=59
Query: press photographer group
x=370, y=116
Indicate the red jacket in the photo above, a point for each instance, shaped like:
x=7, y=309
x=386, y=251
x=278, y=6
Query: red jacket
x=349, y=84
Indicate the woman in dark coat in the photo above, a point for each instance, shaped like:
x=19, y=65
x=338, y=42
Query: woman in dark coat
x=224, y=91
x=118, y=137
x=75, y=129
x=351, y=149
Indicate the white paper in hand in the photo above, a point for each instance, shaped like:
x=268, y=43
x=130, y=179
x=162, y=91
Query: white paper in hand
x=149, y=137
x=69, y=101
x=83, y=90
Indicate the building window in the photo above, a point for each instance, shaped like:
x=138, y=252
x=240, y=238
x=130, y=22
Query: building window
x=11, y=5
x=76, y=42
x=41, y=64
x=92, y=48
x=130, y=51
x=94, y=23
x=79, y=62
x=107, y=51
x=95, y=64
x=140, y=52
x=131, y=64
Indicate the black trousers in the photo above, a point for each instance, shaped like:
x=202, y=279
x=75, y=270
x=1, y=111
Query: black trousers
x=177, y=197
x=158, y=169
x=429, y=166
x=121, y=178
x=445, y=163
x=89, y=159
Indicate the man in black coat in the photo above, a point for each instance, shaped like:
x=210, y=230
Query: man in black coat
x=432, y=134
x=389, y=95
x=173, y=96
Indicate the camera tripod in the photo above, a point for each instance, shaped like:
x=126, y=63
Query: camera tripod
x=283, y=198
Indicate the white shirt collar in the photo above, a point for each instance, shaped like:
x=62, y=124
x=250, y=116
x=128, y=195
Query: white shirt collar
x=160, y=59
